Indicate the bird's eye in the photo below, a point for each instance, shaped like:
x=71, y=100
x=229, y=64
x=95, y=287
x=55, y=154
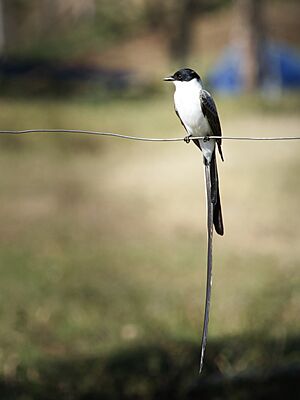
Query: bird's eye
x=179, y=76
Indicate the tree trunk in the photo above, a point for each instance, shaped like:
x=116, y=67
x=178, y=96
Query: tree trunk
x=181, y=30
x=2, y=35
x=248, y=35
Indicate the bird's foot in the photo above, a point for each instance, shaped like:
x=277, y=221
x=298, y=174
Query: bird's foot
x=187, y=139
x=206, y=138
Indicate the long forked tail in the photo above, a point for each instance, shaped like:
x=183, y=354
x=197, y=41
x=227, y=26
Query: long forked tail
x=210, y=212
x=214, y=218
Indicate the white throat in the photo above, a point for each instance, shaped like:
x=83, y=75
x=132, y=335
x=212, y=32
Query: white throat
x=192, y=85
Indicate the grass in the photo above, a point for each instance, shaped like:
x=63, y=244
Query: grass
x=103, y=254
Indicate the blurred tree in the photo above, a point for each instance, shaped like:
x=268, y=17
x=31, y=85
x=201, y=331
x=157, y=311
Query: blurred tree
x=13, y=16
x=55, y=27
x=68, y=9
x=177, y=18
x=22, y=21
x=180, y=27
x=61, y=28
x=2, y=37
x=248, y=35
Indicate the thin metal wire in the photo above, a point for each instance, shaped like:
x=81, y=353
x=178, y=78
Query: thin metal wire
x=143, y=139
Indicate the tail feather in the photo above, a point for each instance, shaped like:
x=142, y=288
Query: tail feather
x=215, y=197
x=210, y=207
x=214, y=217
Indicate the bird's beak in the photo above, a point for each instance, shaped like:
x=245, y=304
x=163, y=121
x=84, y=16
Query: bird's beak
x=169, y=78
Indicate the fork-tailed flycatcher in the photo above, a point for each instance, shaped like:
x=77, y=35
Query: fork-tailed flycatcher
x=198, y=114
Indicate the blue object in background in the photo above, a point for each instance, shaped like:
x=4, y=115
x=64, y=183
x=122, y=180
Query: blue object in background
x=280, y=68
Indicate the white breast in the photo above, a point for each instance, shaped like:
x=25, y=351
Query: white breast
x=188, y=106
x=187, y=103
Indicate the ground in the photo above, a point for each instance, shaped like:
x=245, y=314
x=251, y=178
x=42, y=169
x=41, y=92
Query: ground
x=103, y=250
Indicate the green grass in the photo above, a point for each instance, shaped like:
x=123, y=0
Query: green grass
x=102, y=253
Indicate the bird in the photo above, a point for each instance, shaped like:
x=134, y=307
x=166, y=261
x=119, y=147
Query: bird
x=198, y=114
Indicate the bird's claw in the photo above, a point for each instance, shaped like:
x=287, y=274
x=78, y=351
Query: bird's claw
x=187, y=139
x=206, y=138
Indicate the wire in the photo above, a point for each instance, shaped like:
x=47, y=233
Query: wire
x=117, y=135
x=144, y=139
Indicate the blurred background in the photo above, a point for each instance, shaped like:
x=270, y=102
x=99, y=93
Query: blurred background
x=103, y=241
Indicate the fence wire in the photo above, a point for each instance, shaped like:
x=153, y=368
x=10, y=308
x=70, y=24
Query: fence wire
x=145, y=139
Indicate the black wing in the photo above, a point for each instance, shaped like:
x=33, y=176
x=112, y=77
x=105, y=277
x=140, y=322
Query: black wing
x=177, y=113
x=209, y=110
